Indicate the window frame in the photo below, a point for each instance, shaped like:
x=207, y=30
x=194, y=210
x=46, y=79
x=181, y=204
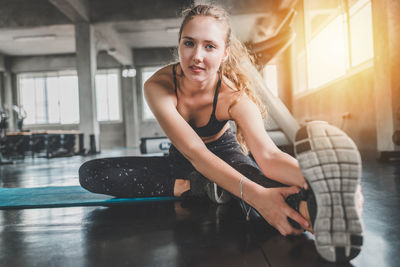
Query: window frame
x=120, y=108
x=71, y=72
x=351, y=70
x=45, y=74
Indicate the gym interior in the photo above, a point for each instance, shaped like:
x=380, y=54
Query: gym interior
x=71, y=83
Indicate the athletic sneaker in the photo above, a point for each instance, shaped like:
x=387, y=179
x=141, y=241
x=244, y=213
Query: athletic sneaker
x=201, y=187
x=331, y=165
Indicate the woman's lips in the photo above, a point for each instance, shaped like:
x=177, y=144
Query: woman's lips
x=196, y=69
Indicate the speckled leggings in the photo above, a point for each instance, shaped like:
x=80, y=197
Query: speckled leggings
x=155, y=176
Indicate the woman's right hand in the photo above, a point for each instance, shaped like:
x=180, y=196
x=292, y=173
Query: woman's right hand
x=271, y=204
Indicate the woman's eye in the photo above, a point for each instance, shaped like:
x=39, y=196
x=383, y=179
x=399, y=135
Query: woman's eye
x=188, y=43
x=210, y=46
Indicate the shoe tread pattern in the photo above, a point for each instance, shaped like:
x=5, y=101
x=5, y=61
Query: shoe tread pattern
x=331, y=164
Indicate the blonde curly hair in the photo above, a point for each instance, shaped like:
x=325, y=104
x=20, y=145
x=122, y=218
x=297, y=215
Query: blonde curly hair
x=232, y=68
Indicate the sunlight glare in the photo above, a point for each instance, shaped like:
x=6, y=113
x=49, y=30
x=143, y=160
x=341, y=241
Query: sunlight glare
x=328, y=53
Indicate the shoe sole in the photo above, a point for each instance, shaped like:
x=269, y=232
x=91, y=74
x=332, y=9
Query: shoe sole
x=331, y=164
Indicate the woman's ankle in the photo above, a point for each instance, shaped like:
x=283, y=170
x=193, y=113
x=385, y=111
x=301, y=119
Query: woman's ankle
x=181, y=186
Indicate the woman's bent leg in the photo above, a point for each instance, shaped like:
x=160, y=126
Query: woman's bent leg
x=128, y=176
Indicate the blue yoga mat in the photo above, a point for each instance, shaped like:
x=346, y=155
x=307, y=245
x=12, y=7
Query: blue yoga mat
x=62, y=196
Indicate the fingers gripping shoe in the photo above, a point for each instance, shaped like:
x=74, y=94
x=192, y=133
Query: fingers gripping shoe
x=331, y=165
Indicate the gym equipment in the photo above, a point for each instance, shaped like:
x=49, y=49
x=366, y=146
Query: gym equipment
x=93, y=149
x=21, y=115
x=92, y=145
x=267, y=49
x=16, y=144
x=54, y=143
x=48, y=144
x=62, y=196
x=3, y=122
x=154, y=145
x=279, y=117
x=277, y=111
x=3, y=130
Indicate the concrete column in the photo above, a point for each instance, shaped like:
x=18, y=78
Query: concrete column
x=1, y=87
x=2, y=65
x=386, y=15
x=129, y=104
x=86, y=53
x=136, y=118
x=7, y=99
x=6, y=89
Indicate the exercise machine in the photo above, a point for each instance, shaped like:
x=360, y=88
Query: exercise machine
x=21, y=115
x=3, y=130
x=150, y=145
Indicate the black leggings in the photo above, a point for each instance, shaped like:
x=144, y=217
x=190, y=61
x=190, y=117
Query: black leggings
x=155, y=176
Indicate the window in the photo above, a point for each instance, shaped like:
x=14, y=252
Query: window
x=337, y=38
x=53, y=97
x=49, y=97
x=327, y=53
x=108, y=96
x=146, y=74
x=360, y=14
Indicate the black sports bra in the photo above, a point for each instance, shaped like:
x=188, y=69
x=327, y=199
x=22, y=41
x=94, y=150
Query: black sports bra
x=213, y=126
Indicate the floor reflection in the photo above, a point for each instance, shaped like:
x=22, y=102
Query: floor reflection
x=177, y=233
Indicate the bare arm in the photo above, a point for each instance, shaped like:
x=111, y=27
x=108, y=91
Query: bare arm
x=185, y=139
x=274, y=163
x=269, y=203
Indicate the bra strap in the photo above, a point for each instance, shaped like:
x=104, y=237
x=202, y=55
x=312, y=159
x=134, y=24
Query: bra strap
x=216, y=95
x=174, y=73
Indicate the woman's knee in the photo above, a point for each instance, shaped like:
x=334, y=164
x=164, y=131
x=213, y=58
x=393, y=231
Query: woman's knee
x=87, y=172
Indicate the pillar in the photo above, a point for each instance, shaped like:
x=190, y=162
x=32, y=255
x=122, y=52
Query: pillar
x=128, y=86
x=386, y=15
x=86, y=53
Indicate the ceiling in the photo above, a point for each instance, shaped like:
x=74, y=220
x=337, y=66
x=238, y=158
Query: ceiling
x=43, y=27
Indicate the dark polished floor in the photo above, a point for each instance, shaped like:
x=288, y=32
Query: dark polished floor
x=175, y=233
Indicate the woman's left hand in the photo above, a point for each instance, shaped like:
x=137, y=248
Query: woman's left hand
x=271, y=204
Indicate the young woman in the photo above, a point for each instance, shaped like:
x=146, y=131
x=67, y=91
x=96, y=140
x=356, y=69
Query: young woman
x=193, y=100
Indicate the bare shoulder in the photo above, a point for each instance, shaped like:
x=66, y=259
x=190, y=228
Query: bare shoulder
x=162, y=79
x=230, y=91
x=229, y=97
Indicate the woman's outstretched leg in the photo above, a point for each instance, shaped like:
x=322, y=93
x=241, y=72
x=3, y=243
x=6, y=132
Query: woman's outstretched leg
x=128, y=176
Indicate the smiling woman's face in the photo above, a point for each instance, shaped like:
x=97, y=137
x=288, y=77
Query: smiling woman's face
x=202, y=48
